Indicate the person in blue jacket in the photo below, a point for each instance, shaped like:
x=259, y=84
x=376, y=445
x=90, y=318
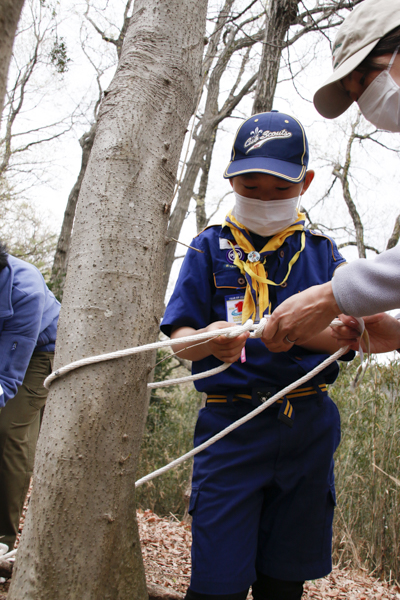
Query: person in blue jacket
x=262, y=497
x=28, y=327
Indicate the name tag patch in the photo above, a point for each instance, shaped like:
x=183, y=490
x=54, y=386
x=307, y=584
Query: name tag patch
x=234, y=308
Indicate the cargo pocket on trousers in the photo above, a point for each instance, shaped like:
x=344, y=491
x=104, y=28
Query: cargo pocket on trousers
x=332, y=493
x=327, y=534
x=193, y=500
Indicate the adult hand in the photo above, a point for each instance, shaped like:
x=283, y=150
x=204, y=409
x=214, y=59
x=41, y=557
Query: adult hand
x=348, y=334
x=383, y=331
x=300, y=318
x=224, y=348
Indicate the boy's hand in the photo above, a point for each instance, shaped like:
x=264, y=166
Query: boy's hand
x=224, y=348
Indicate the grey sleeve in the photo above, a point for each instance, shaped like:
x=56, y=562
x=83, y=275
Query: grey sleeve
x=366, y=287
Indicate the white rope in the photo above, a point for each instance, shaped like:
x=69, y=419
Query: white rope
x=256, y=332
x=210, y=373
x=205, y=336
x=244, y=419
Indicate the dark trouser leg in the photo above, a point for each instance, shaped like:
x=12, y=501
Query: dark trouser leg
x=268, y=588
x=191, y=595
x=19, y=429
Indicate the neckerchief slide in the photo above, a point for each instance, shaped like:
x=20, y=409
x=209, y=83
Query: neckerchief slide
x=257, y=293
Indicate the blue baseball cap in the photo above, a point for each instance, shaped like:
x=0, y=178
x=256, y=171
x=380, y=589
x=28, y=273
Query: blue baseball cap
x=273, y=143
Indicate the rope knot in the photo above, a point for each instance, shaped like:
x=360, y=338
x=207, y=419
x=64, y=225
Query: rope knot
x=259, y=328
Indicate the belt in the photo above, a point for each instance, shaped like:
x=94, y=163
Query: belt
x=260, y=395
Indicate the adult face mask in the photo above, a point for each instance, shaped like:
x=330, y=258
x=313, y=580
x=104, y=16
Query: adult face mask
x=265, y=218
x=380, y=103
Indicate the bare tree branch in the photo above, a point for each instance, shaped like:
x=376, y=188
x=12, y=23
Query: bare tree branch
x=394, y=238
x=366, y=246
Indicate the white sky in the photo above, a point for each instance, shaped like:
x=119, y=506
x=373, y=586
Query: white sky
x=375, y=170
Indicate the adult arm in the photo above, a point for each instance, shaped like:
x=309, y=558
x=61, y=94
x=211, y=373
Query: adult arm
x=18, y=340
x=363, y=287
x=323, y=343
x=367, y=287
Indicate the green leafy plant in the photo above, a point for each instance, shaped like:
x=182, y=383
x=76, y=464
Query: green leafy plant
x=367, y=520
x=169, y=431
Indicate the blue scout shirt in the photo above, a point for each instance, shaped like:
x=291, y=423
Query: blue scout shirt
x=28, y=322
x=210, y=288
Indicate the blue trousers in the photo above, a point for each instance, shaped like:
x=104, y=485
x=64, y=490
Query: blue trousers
x=263, y=496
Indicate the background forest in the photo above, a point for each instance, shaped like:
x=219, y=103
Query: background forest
x=258, y=55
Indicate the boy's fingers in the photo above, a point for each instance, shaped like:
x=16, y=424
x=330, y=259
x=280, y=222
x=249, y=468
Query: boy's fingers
x=227, y=355
x=239, y=340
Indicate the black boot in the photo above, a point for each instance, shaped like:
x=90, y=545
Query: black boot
x=268, y=588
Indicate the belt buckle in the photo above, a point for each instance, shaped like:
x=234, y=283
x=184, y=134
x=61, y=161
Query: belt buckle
x=263, y=394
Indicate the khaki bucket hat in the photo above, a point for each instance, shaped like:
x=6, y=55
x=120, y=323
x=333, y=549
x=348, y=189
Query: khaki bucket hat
x=357, y=36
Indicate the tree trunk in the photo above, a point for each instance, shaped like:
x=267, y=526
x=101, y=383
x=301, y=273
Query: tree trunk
x=343, y=174
x=205, y=136
x=10, y=12
x=80, y=537
x=201, y=215
x=281, y=15
x=60, y=263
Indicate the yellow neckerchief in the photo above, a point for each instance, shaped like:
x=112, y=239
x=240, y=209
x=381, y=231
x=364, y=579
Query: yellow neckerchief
x=254, y=271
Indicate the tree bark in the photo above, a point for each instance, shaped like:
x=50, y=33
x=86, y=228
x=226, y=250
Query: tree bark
x=200, y=197
x=60, y=263
x=81, y=519
x=280, y=16
x=10, y=12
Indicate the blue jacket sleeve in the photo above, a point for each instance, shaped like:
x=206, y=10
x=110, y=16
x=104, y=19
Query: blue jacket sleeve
x=190, y=303
x=18, y=340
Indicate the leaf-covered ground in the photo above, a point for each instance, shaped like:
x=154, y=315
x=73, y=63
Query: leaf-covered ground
x=166, y=554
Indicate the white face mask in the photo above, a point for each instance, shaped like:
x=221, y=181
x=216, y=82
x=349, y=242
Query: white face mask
x=380, y=103
x=265, y=217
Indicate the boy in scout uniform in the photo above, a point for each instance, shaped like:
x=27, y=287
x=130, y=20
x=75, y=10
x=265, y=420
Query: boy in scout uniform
x=262, y=497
